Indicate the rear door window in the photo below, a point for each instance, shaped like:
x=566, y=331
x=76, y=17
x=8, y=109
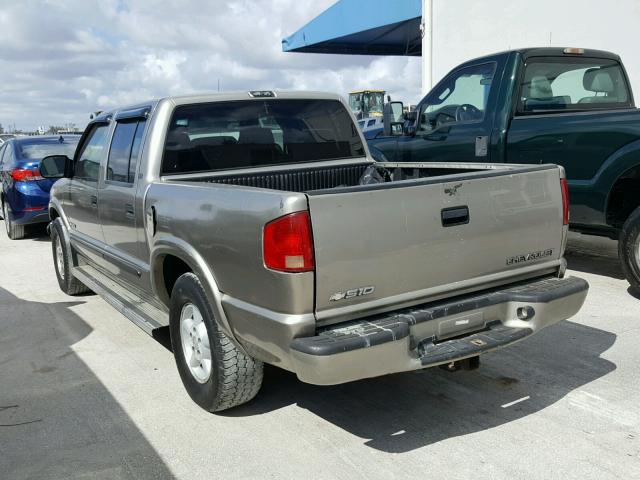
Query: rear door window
x=251, y=133
x=552, y=84
x=124, y=152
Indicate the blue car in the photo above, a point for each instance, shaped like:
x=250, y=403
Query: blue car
x=25, y=194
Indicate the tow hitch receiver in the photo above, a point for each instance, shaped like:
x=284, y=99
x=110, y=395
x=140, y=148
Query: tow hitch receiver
x=471, y=363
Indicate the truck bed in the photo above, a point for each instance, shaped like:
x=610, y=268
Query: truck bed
x=315, y=178
x=420, y=232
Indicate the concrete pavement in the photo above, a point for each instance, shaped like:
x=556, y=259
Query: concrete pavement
x=85, y=394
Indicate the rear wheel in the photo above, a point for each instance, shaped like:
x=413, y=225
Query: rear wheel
x=62, y=261
x=14, y=232
x=216, y=374
x=629, y=249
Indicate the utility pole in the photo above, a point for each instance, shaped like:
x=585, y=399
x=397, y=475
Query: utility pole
x=427, y=45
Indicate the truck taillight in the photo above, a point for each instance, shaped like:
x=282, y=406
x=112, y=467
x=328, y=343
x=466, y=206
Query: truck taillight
x=565, y=201
x=287, y=243
x=26, y=174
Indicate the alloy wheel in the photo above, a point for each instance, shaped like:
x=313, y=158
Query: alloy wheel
x=59, y=258
x=195, y=342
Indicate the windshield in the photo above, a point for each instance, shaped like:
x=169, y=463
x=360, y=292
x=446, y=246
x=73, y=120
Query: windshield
x=373, y=102
x=37, y=151
x=369, y=103
x=355, y=100
x=242, y=134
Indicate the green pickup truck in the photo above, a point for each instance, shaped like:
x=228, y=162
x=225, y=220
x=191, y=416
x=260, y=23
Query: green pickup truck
x=572, y=107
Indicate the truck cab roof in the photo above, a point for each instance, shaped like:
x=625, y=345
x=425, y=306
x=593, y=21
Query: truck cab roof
x=139, y=109
x=544, y=52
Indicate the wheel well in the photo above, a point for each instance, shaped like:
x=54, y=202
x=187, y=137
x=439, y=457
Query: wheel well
x=172, y=268
x=624, y=197
x=53, y=214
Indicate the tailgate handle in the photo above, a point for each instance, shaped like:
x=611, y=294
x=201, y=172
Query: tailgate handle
x=455, y=216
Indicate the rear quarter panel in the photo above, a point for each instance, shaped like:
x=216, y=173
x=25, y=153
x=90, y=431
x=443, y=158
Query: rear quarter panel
x=224, y=223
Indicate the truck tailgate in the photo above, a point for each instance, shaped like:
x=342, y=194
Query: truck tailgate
x=395, y=244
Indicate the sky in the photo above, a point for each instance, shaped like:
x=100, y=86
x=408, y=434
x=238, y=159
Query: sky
x=60, y=60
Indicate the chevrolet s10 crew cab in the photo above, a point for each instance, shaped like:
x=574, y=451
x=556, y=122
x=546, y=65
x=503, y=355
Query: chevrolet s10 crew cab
x=259, y=229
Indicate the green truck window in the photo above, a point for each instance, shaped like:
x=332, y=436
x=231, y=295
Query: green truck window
x=460, y=98
x=572, y=84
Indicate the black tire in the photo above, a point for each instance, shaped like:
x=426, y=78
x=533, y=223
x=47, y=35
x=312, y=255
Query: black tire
x=68, y=283
x=629, y=249
x=14, y=232
x=235, y=378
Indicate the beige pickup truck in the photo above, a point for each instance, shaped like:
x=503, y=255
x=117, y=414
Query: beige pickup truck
x=259, y=229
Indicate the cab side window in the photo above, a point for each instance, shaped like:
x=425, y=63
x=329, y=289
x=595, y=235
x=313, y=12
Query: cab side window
x=564, y=84
x=92, y=150
x=460, y=98
x=125, y=150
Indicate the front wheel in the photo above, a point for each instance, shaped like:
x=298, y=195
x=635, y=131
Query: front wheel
x=629, y=249
x=62, y=261
x=216, y=374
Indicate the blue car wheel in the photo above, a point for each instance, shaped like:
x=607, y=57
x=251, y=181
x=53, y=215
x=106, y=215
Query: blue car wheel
x=14, y=232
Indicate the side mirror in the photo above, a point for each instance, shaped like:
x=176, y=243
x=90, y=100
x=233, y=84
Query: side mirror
x=397, y=112
x=55, y=166
x=397, y=128
x=392, y=118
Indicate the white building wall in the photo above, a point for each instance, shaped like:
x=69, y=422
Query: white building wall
x=464, y=29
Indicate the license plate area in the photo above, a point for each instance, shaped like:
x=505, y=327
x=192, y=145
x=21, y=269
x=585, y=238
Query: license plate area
x=460, y=324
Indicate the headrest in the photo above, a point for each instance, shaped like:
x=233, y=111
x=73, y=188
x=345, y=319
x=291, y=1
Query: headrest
x=598, y=80
x=255, y=134
x=540, y=88
x=178, y=140
x=212, y=141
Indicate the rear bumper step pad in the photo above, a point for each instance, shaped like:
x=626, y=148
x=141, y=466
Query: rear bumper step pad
x=394, y=326
x=471, y=345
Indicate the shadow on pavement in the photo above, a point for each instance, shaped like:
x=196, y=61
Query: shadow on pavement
x=594, y=264
x=56, y=418
x=595, y=255
x=403, y=412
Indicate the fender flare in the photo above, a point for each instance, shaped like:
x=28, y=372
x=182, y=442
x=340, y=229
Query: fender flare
x=185, y=252
x=54, y=205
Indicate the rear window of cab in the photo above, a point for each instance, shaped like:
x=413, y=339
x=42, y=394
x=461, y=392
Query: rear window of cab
x=552, y=84
x=254, y=133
